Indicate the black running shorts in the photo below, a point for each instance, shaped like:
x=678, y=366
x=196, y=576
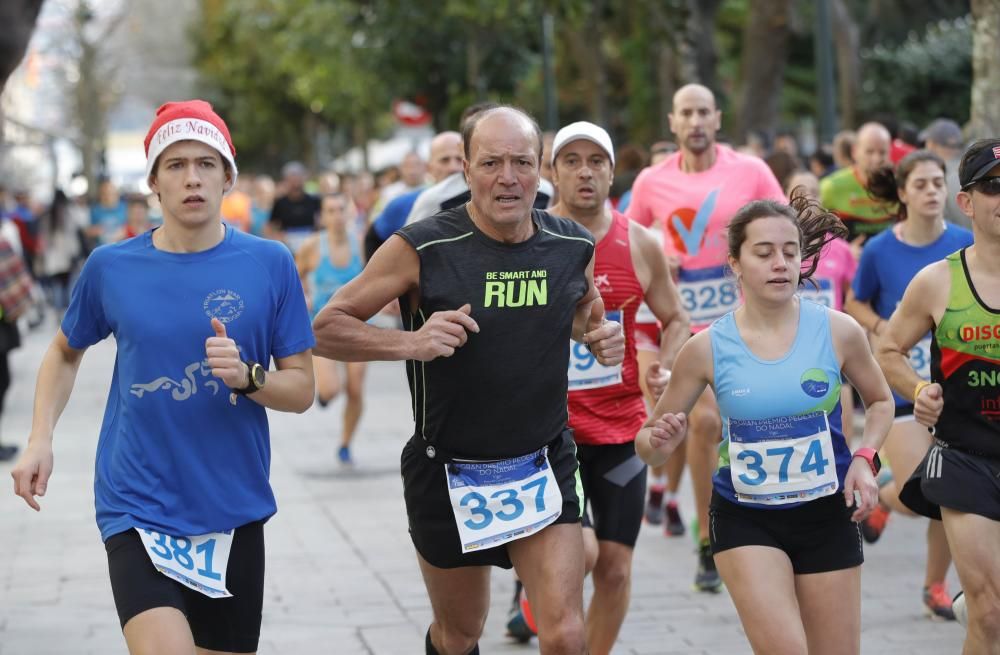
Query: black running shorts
x=614, y=490
x=817, y=536
x=955, y=479
x=226, y=624
x=432, y=522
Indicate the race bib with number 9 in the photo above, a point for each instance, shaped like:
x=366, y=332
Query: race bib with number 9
x=707, y=294
x=498, y=502
x=585, y=372
x=198, y=563
x=782, y=460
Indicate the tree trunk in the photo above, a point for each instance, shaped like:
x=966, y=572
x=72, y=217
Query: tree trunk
x=985, y=115
x=360, y=136
x=599, y=101
x=577, y=46
x=667, y=74
x=473, y=65
x=94, y=92
x=309, y=129
x=669, y=28
x=700, y=44
x=765, y=52
x=846, y=44
x=90, y=116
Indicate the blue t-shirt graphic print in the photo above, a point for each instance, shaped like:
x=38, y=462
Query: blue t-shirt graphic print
x=175, y=455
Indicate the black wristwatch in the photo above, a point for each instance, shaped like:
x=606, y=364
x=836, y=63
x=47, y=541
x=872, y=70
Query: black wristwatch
x=257, y=374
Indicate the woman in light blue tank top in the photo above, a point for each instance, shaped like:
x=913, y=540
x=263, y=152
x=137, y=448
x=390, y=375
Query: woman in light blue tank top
x=787, y=491
x=327, y=261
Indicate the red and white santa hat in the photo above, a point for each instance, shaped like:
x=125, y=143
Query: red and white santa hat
x=190, y=120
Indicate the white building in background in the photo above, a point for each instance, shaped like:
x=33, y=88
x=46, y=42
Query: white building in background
x=383, y=154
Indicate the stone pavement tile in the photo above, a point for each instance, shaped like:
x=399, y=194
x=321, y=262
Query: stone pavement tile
x=31, y=630
x=278, y=638
x=398, y=639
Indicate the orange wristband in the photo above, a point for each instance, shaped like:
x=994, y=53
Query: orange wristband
x=920, y=387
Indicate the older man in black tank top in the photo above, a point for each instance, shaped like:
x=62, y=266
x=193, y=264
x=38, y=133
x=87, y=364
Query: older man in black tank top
x=491, y=293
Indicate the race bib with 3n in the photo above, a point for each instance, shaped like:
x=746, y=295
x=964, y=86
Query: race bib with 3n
x=782, y=460
x=198, y=563
x=585, y=372
x=920, y=358
x=707, y=294
x=498, y=502
x=823, y=295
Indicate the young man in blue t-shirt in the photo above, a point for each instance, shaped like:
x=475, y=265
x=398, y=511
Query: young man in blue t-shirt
x=198, y=310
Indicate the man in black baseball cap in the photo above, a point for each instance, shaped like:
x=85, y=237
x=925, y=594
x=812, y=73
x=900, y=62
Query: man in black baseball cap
x=957, y=481
x=979, y=161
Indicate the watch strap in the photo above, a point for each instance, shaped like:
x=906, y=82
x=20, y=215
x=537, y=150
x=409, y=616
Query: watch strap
x=869, y=455
x=251, y=387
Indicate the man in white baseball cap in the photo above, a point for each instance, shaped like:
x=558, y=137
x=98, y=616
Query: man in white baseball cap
x=606, y=408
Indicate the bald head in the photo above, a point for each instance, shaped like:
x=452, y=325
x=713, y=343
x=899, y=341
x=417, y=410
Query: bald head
x=411, y=169
x=874, y=131
x=446, y=155
x=695, y=119
x=697, y=92
x=503, y=148
x=510, y=117
x=871, y=148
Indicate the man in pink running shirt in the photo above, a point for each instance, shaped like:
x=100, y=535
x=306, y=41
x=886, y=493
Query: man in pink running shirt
x=691, y=195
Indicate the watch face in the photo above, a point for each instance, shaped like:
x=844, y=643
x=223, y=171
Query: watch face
x=257, y=373
x=877, y=463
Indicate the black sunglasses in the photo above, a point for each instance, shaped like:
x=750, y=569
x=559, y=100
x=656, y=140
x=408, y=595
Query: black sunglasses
x=988, y=186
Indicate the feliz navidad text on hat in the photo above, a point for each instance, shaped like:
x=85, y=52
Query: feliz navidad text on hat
x=176, y=130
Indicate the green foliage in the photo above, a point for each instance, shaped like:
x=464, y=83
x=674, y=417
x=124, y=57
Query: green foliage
x=729, y=26
x=235, y=48
x=285, y=71
x=281, y=69
x=800, y=94
x=927, y=76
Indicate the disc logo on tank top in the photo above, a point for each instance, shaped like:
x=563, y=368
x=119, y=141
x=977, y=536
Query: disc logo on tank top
x=984, y=342
x=516, y=288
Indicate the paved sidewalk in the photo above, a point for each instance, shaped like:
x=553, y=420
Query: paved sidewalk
x=341, y=574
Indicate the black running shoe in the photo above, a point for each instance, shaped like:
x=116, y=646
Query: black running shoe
x=707, y=578
x=675, y=526
x=654, y=507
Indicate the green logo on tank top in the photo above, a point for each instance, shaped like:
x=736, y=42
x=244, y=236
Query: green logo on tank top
x=815, y=382
x=516, y=289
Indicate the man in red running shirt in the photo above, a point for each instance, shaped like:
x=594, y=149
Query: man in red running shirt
x=606, y=407
x=691, y=195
